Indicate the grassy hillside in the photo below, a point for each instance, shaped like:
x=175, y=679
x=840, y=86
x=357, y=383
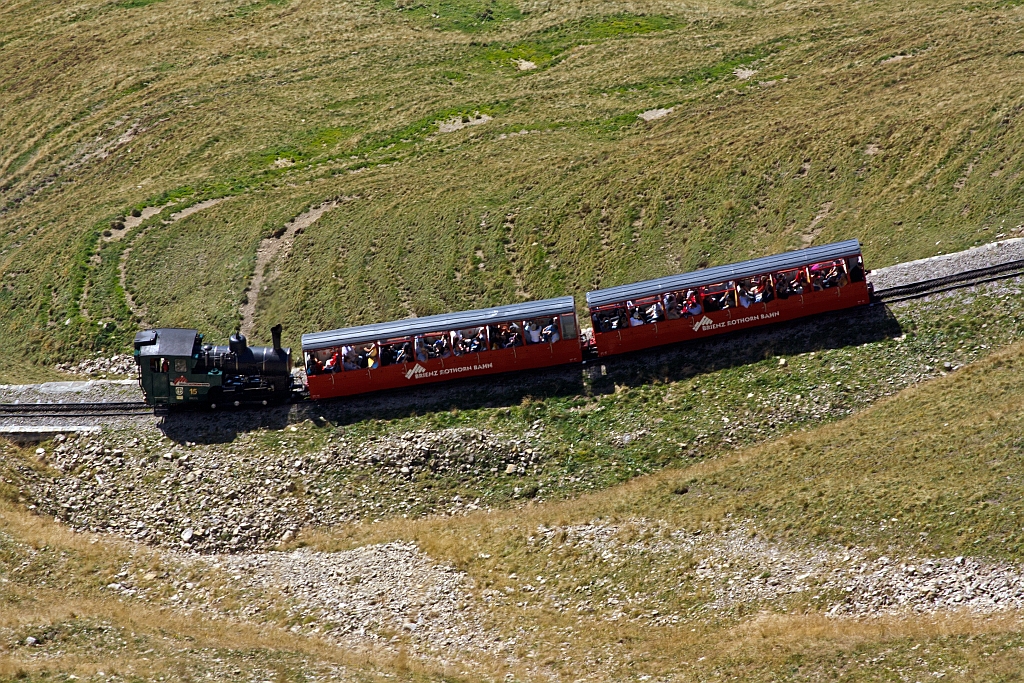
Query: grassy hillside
x=788, y=126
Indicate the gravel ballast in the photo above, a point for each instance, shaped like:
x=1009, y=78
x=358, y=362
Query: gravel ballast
x=985, y=256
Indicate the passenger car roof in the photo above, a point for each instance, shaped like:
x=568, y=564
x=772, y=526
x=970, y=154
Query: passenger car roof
x=732, y=271
x=166, y=341
x=438, y=323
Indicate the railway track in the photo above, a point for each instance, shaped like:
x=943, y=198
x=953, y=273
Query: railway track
x=62, y=410
x=968, y=278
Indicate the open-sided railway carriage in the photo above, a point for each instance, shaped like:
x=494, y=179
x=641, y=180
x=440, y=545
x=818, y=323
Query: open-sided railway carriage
x=405, y=353
x=727, y=298
x=176, y=368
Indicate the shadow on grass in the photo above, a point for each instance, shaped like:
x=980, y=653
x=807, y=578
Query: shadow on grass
x=835, y=330
x=667, y=364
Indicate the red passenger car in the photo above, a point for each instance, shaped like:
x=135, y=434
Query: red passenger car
x=416, y=351
x=726, y=298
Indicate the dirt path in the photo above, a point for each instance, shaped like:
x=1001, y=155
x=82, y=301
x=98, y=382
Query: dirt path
x=815, y=228
x=270, y=248
x=133, y=222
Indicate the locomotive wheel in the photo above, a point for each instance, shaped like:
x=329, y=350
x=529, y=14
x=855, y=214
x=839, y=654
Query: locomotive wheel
x=238, y=403
x=264, y=401
x=213, y=406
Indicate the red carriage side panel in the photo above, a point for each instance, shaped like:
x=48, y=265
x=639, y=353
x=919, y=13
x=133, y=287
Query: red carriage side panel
x=421, y=351
x=416, y=373
x=727, y=298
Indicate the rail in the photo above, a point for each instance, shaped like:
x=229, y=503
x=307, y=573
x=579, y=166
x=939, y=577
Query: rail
x=50, y=410
x=967, y=278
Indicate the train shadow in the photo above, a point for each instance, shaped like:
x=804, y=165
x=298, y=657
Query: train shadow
x=666, y=364
x=838, y=329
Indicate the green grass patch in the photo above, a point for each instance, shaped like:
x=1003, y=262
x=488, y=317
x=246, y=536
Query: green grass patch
x=546, y=47
x=719, y=71
x=467, y=16
x=133, y=4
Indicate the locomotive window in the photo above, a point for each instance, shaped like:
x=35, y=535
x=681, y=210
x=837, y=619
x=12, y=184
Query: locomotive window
x=158, y=365
x=181, y=364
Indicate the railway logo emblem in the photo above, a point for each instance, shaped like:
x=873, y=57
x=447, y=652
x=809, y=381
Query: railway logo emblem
x=416, y=371
x=704, y=323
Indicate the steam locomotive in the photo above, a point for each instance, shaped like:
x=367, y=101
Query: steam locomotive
x=177, y=368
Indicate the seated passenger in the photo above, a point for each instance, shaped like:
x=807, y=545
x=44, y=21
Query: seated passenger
x=549, y=334
x=671, y=305
x=332, y=363
x=403, y=354
x=459, y=345
x=372, y=357
x=499, y=336
x=759, y=290
x=744, y=296
x=533, y=332
x=817, y=279
x=800, y=285
x=422, y=351
x=515, y=335
x=479, y=341
x=712, y=301
x=783, y=288
x=652, y=313
x=834, y=277
x=635, y=319
x=692, y=305
x=350, y=359
x=313, y=365
x=856, y=269
x=442, y=347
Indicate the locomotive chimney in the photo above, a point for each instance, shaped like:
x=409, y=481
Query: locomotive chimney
x=236, y=342
x=275, y=331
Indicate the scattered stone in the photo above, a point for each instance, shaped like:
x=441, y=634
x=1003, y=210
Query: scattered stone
x=30, y=641
x=366, y=594
x=187, y=535
x=119, y=365
x=653, y=114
